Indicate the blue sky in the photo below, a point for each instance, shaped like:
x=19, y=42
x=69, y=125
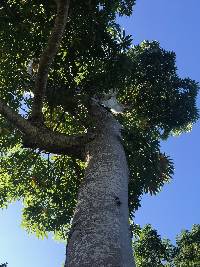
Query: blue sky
x=175, y=24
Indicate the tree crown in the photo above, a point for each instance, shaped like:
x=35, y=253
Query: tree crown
x=95, y=59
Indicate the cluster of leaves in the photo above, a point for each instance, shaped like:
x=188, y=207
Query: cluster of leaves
x=149, y=168
x=47, y=184
x=150, y=250
x=94, y=57
x=4, y=264
x=157, y=96
x=188, y=248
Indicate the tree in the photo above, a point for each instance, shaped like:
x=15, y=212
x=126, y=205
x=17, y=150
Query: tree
x=188, y=247
x=76, y=97
x=151, y=251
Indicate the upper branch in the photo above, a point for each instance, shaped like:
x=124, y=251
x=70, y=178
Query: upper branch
x=47, y=58
x=44, y=138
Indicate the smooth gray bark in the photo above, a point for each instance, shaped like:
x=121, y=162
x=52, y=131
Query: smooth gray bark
x=100, y=234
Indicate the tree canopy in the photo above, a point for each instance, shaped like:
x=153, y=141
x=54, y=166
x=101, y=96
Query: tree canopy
x=95, y=59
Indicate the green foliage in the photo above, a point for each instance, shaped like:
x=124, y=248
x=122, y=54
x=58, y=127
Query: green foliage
x=188, y=248
x=47, y=185
x=149, y=249
x=158, y=97
x=152, y=251
x=4, y=264
x=95, y=57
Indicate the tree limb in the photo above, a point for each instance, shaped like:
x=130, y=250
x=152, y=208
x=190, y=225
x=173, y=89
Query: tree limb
x=47, y=58
x=44, y=138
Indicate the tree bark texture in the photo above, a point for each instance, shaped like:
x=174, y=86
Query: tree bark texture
x=100, y=234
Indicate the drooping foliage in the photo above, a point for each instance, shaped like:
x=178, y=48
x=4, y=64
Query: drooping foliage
x=95, y=57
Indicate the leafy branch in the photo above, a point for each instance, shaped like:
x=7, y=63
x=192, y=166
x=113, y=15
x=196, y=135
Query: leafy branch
x=47, y=58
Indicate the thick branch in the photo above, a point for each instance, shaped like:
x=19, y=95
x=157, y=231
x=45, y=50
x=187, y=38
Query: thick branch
x=44, y=138
x=57, y=143
x=47, y=58
x=18, y=121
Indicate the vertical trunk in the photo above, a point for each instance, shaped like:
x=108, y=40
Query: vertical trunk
x=100, y=234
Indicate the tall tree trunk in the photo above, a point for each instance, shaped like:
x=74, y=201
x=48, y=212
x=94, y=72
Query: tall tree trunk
x=100, y=234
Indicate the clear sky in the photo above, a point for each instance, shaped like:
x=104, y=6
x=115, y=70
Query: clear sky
x=175, y=24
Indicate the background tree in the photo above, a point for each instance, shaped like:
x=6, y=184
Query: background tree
x=188, y=247
x=95, y=60
x=152, y=251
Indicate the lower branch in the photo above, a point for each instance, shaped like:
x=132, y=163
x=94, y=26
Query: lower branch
x=44, y=138
x=57, y=143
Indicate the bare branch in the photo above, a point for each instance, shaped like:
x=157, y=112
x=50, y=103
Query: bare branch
x=44, y=138
x=47, y=58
